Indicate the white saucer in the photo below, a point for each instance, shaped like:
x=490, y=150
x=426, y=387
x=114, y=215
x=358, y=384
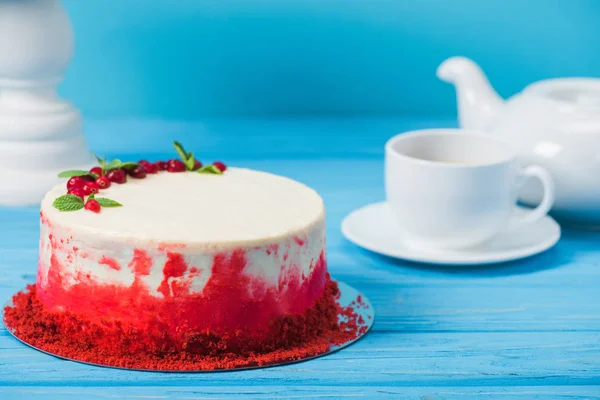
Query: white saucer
x=373, y=227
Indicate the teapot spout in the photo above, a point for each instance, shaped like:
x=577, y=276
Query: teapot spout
x=478, y=103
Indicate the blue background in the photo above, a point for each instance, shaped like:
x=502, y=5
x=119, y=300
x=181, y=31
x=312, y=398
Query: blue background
x=192, y=59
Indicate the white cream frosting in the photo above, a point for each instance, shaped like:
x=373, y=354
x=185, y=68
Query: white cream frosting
x=277, y=222
x=240, y=207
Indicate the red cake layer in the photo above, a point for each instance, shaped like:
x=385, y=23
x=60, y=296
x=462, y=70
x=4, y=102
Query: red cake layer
x=294, y=336
x=226, y=306
x=232, y=303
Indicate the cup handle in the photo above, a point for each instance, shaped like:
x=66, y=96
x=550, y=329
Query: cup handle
x=545, y=205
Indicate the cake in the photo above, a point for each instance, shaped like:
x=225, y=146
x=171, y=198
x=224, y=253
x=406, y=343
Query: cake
x=193, y=266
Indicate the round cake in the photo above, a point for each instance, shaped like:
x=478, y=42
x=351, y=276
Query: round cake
x=189, y=257
x=180, y=267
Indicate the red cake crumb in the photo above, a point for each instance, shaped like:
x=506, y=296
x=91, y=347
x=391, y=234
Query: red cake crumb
x=294, y=336
x=111, y=262
x=175, y=267
x=141, y=263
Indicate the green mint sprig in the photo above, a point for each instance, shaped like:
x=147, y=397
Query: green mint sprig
x=209, y=169
x=104, y=202
x=189, y=161
x=187, y=157
x=76, y=172
x=128, y=165
x=104, y=164
x=68, y=202
x=114, y=164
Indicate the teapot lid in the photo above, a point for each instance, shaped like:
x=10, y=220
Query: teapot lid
x=572, y=95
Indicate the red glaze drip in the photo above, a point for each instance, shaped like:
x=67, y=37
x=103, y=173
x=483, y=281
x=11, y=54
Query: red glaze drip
x=44, y=220
x=174, y=268
x=272, y=249
x=299, y=241
x=111, y=262
x=141, y=263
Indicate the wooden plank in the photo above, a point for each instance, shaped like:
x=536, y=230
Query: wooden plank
x=381, y=358
x=283, y=392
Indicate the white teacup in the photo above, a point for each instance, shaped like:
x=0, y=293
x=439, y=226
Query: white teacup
x=453, y=189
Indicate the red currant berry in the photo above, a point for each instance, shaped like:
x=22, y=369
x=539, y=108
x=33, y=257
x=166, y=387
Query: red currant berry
x=161, y=165
x=77, y=191
x=138, y=172
x=75, y=181
x=197, y=165
x=175, y=166
x=90, y=187
x=92, y=205
x=96, y=171
x=117, y=176
x=148, y=166
x=220, y=166
x=103, y=182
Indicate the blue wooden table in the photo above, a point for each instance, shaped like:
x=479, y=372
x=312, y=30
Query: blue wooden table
x=523, y=330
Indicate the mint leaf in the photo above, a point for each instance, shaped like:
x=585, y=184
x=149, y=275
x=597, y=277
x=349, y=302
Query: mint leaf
x=104, y=202
x=113, y=164
x=76, y=172
x=189, y=163
x=128, y=165
x=180, y=150
x=187, y=157
x=209, y=169
x=101, y=161
x=116, y=163
x=68, y=202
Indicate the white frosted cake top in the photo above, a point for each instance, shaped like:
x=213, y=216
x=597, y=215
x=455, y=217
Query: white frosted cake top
x=239, y=206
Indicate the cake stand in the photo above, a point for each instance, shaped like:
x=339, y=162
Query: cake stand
x=40, y=133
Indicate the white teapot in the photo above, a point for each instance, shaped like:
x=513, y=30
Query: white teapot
x=554, y=123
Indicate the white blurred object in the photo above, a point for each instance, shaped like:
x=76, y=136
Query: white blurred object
x=554, y=123
x=40, y=134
